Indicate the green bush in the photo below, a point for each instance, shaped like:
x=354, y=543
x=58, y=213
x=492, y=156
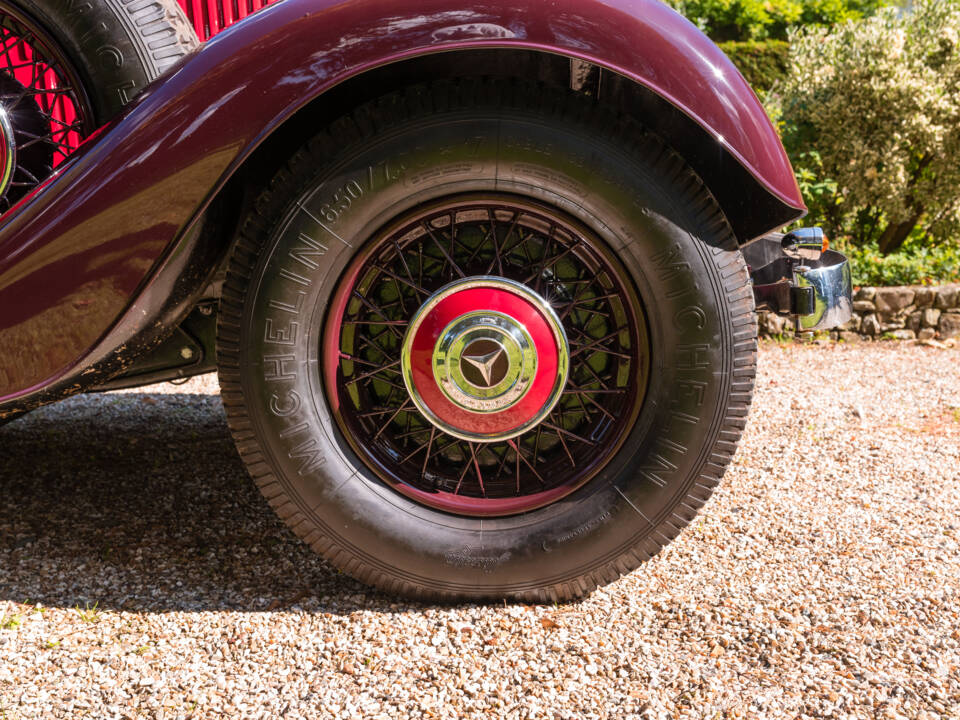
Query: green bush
x=870, y=115
x=726, y=20
x=763, y=63
x=915, y=264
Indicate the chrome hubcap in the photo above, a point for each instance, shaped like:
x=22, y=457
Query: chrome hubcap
x=500, y=352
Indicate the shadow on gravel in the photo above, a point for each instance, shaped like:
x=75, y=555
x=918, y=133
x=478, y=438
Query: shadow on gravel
x=139, y=502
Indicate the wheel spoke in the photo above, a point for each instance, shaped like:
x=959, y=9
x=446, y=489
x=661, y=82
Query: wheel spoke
x=517, y=449
x=373, y=308
x=407, y=404
x=426, y=458
x=409, y=283
x=443, y=250
x=373, y=372
x=562, y=431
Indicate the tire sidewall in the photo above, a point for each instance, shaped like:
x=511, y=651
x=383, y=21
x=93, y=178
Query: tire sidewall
x=644, y=210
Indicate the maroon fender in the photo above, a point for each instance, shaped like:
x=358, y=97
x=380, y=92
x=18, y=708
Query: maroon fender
x=79, y=256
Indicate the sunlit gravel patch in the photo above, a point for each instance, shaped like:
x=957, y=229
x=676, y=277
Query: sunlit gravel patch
x=142, y=575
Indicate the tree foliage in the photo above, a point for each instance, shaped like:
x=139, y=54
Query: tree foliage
x=726, y=20
x=870, y=114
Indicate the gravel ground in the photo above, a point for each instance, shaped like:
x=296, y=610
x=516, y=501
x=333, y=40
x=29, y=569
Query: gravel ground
x=141, y=575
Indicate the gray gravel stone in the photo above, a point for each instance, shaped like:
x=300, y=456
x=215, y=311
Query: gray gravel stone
x=143, y=576
x=903, y=334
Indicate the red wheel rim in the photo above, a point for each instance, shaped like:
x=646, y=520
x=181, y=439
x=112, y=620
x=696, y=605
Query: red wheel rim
x=503, y=265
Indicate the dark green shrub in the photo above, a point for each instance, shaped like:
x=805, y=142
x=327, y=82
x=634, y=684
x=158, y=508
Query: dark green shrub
x=915, y=264
x=763, y=63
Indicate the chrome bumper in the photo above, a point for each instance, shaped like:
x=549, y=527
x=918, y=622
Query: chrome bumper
x=793, y=275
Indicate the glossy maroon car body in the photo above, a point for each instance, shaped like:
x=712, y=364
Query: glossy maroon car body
x=101, y=260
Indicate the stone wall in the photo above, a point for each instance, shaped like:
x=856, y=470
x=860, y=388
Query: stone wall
x=901, y=313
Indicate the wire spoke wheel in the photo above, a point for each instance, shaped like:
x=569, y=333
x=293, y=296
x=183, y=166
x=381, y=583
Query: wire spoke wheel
x=471, y=455
x=48, y=111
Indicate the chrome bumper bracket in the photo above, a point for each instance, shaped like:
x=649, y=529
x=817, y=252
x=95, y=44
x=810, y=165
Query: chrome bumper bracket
x=793, y=275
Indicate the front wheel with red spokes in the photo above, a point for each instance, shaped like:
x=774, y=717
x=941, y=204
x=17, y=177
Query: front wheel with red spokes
x=500, y=347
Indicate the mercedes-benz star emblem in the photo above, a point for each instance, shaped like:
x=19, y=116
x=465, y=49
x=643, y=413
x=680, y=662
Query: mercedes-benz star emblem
x=486, y=364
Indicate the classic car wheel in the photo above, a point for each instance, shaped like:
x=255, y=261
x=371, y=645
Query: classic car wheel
x=482, y=340
x=66, y=68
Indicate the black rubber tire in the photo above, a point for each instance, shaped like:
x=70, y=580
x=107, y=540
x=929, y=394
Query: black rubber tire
x=555, y=147
x=116, y=46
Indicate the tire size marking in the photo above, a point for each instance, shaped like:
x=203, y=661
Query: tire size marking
x=577, y=532
x=320, y=222
x=538, y=176
x=442, y=172
x=339, y=203
x=390, y=171
x=470, y=557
